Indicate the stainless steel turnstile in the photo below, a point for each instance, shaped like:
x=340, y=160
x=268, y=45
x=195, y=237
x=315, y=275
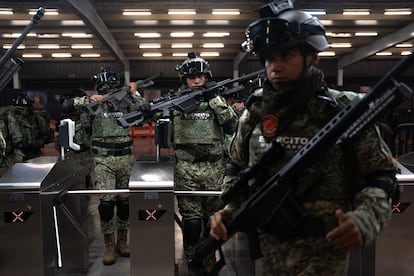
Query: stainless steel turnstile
x=41, y=229
x=152, y=218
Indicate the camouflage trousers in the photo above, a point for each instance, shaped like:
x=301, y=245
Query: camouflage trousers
x=197, y=176
x=302, y=257
x=113, y=172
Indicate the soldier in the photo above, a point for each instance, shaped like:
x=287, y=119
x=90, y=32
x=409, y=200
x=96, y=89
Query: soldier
x=346, y=194
x=199, y=138
x=111, y=146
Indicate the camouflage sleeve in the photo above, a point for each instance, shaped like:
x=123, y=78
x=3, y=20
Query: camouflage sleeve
x=137, y=100
x=372, y=204
x=78, y=101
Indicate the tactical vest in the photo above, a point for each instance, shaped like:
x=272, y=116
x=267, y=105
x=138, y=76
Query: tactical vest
x=104, y=124
x=198, y=127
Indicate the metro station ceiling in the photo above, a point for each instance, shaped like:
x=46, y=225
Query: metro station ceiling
x=110, y=35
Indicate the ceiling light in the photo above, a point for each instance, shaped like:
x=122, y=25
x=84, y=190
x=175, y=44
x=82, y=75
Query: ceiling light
x=152, y=55
x=181, y=12
x=366, y=34
x=315, y=11
x=326, y=54
x=144, y=12
x=32, y=55
x=215, y=34
x=356, y=12
x=61, y=55
x=405, y=53
x=366, y=22
x=213, y=45
x=48, y=46
x=338, y=34
x=47, y=11
x=225, y=11
x=404, y=45
x=182, y=34
x=209, y=54
x=82, y=46
x=90, y=55
x=145, y=22
x=6, y=11
x=15, y=35
x=20, y=22
x=397, y=12
x=181, y=45
x=182, y=22
x=383, y=54
x=8, y=46
x=72, y=23
x=147, y=35
x=48, y=35
x=217, y=22
x=77, y=35
x=326, y=22
x=179, y=54
x=149, y=46
x=340, y=45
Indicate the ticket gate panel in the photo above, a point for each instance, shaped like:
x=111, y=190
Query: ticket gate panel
x=152, y=218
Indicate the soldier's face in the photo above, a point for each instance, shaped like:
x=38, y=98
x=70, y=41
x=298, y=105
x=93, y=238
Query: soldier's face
x=196, y=81
x=283, y=66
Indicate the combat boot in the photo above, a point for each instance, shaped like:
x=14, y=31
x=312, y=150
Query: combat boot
x=122, y=245
x=110, y=256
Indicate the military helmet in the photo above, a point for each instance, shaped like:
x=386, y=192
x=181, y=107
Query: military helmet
x=105, y=80
x=281, y=27
x=22, y=100
x=193, y=65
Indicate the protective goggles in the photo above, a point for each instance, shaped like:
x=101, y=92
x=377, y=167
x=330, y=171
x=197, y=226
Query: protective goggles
x=194, y=67
x=275, y=31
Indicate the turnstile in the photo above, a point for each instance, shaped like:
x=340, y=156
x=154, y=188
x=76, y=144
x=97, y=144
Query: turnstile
x=42, y=229
x=152, y=218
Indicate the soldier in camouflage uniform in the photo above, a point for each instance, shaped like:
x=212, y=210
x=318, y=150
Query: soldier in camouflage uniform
x=346, y=194
x=199, y=148
x=111, y=146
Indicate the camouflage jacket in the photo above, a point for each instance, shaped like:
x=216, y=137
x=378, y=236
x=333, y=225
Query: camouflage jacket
x=338, y=179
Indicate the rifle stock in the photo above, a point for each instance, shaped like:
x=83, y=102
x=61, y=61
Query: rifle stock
x=185, y=101
x=262, y=205
x=118, y=97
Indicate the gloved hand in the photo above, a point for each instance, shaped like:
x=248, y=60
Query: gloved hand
x=146, y=107
x=208, y=95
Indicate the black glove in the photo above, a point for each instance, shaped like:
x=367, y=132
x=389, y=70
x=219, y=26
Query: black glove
x=144, y=107
x=212, y=93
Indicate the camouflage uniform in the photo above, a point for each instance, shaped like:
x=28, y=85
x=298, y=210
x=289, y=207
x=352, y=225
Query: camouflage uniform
x=2, y=150
x=328, y=184
x=199, y=145
x=13, y=135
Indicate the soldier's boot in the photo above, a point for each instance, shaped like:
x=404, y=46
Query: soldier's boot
x=110, y=255
x=122, y=245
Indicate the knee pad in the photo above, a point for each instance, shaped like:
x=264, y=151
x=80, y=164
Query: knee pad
x=122, y=209
x=106, y=210
x=192, y=231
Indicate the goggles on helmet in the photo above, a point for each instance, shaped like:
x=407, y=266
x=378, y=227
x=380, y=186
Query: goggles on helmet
x=194, y=67
x=267, y=32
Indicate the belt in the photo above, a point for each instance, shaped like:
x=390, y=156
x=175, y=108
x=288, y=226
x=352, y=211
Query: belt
x=113, y=152
x=111, y=145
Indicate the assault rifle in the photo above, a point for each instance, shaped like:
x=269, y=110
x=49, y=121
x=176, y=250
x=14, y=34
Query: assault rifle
x=119, y=97
x=16, y=64
x=148, y=81
x=185, y=101
x=269, y=203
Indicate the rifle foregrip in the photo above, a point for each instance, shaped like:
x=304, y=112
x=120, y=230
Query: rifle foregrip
x=209, y=246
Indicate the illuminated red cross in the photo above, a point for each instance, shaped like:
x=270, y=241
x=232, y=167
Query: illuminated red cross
x=396, y=207
x=151, y=215
x=17, y=217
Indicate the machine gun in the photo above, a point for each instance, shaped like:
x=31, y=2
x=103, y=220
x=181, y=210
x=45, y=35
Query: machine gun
x=16, y=64
x=148, y=81
x=185, y=101
x=269, y=204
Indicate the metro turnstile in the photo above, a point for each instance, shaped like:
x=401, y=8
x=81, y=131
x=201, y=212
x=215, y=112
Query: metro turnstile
x=33, y=206
x=152, y=218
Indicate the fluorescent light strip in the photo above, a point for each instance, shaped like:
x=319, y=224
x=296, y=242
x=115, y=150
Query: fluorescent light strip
x=383, y=54
x=209, y=54
x=181, y=45
x=397, y=12
x=338, y=34
x=90, y=55
x=182, y=34
x=146, y=22
x=15, y=35
x=315, y=11
x=181, y=12
x=6, y=12
x=213, y=45
x=404, y=45
x=8, y=46
x=217, y=22
x=33, y=55
x=72, y=23
x=356, y=12
x=77, y=35
x=326, y=54
x=182, y=22
x=47, y=11
x=20, y=22
x=149, y=46
x=225, y=11
x=152, y=55
x=340, y=45
x=179, y=54
x=147, y=35
x=48, y=46
x=141, y=12
x=82, y=46
x=217, y=34
x=61, y=55
x=48, y=35
x=366, y=34
x=405, y=53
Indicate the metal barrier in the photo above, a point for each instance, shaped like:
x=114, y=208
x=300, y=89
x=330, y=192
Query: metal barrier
x=40, y=223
